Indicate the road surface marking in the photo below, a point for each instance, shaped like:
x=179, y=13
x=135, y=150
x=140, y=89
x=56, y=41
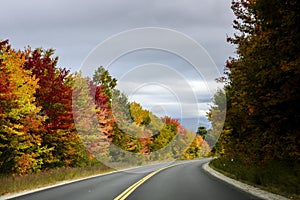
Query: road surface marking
x=133, y=187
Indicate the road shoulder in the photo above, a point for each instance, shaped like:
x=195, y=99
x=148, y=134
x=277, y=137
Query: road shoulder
x=245, y=187
x=25, y=192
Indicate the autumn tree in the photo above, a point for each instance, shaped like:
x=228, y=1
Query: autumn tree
x=125, y=131
x=138, y=114
x=169, y=141
x=21, y=145
x=104, y=112
x=91, y=118
x=54, y=96
x=198, y=148
x=263, y=92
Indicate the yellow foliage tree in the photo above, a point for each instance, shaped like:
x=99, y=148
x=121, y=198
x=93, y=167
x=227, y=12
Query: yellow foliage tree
x=21, y=149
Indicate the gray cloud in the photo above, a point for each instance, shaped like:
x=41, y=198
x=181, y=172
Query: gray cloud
x=74, y=27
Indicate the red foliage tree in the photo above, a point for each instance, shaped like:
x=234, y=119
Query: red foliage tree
x=54, y=95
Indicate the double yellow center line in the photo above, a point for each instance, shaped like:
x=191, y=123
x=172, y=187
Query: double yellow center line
x=133, y=187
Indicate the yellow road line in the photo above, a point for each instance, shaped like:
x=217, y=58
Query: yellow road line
x=133, y=187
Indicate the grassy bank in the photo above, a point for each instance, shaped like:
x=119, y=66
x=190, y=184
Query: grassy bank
x=11, y=184
x=279, y=177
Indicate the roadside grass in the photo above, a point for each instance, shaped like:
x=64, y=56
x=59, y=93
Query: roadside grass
x=17, y=183
x=279, y=177
x=12, y=184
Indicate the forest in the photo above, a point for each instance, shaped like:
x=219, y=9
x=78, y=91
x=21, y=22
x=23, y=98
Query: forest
x=260, y=141
x=262, y=84
x=52, y=118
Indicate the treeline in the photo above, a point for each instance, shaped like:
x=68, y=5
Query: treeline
x=52, y=118
x=262, y=86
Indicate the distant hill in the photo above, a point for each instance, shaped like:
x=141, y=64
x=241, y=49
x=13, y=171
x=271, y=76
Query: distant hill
x=193, y=123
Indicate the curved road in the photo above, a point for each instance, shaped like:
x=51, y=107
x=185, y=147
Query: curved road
x=186, y=180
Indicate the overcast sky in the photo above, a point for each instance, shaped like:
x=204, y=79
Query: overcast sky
x=75, y=27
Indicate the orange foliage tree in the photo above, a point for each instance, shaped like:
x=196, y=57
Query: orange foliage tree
x=21, y=145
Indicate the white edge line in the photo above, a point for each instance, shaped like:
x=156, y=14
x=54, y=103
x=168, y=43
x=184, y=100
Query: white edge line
x=245, y=187
x=25, y=192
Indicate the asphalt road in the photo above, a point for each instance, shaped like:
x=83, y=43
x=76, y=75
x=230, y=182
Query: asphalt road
x=183, y=181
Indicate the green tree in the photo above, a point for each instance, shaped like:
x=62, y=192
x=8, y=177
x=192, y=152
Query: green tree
x=202, y=131
x=102, y=77
x=217, y=133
